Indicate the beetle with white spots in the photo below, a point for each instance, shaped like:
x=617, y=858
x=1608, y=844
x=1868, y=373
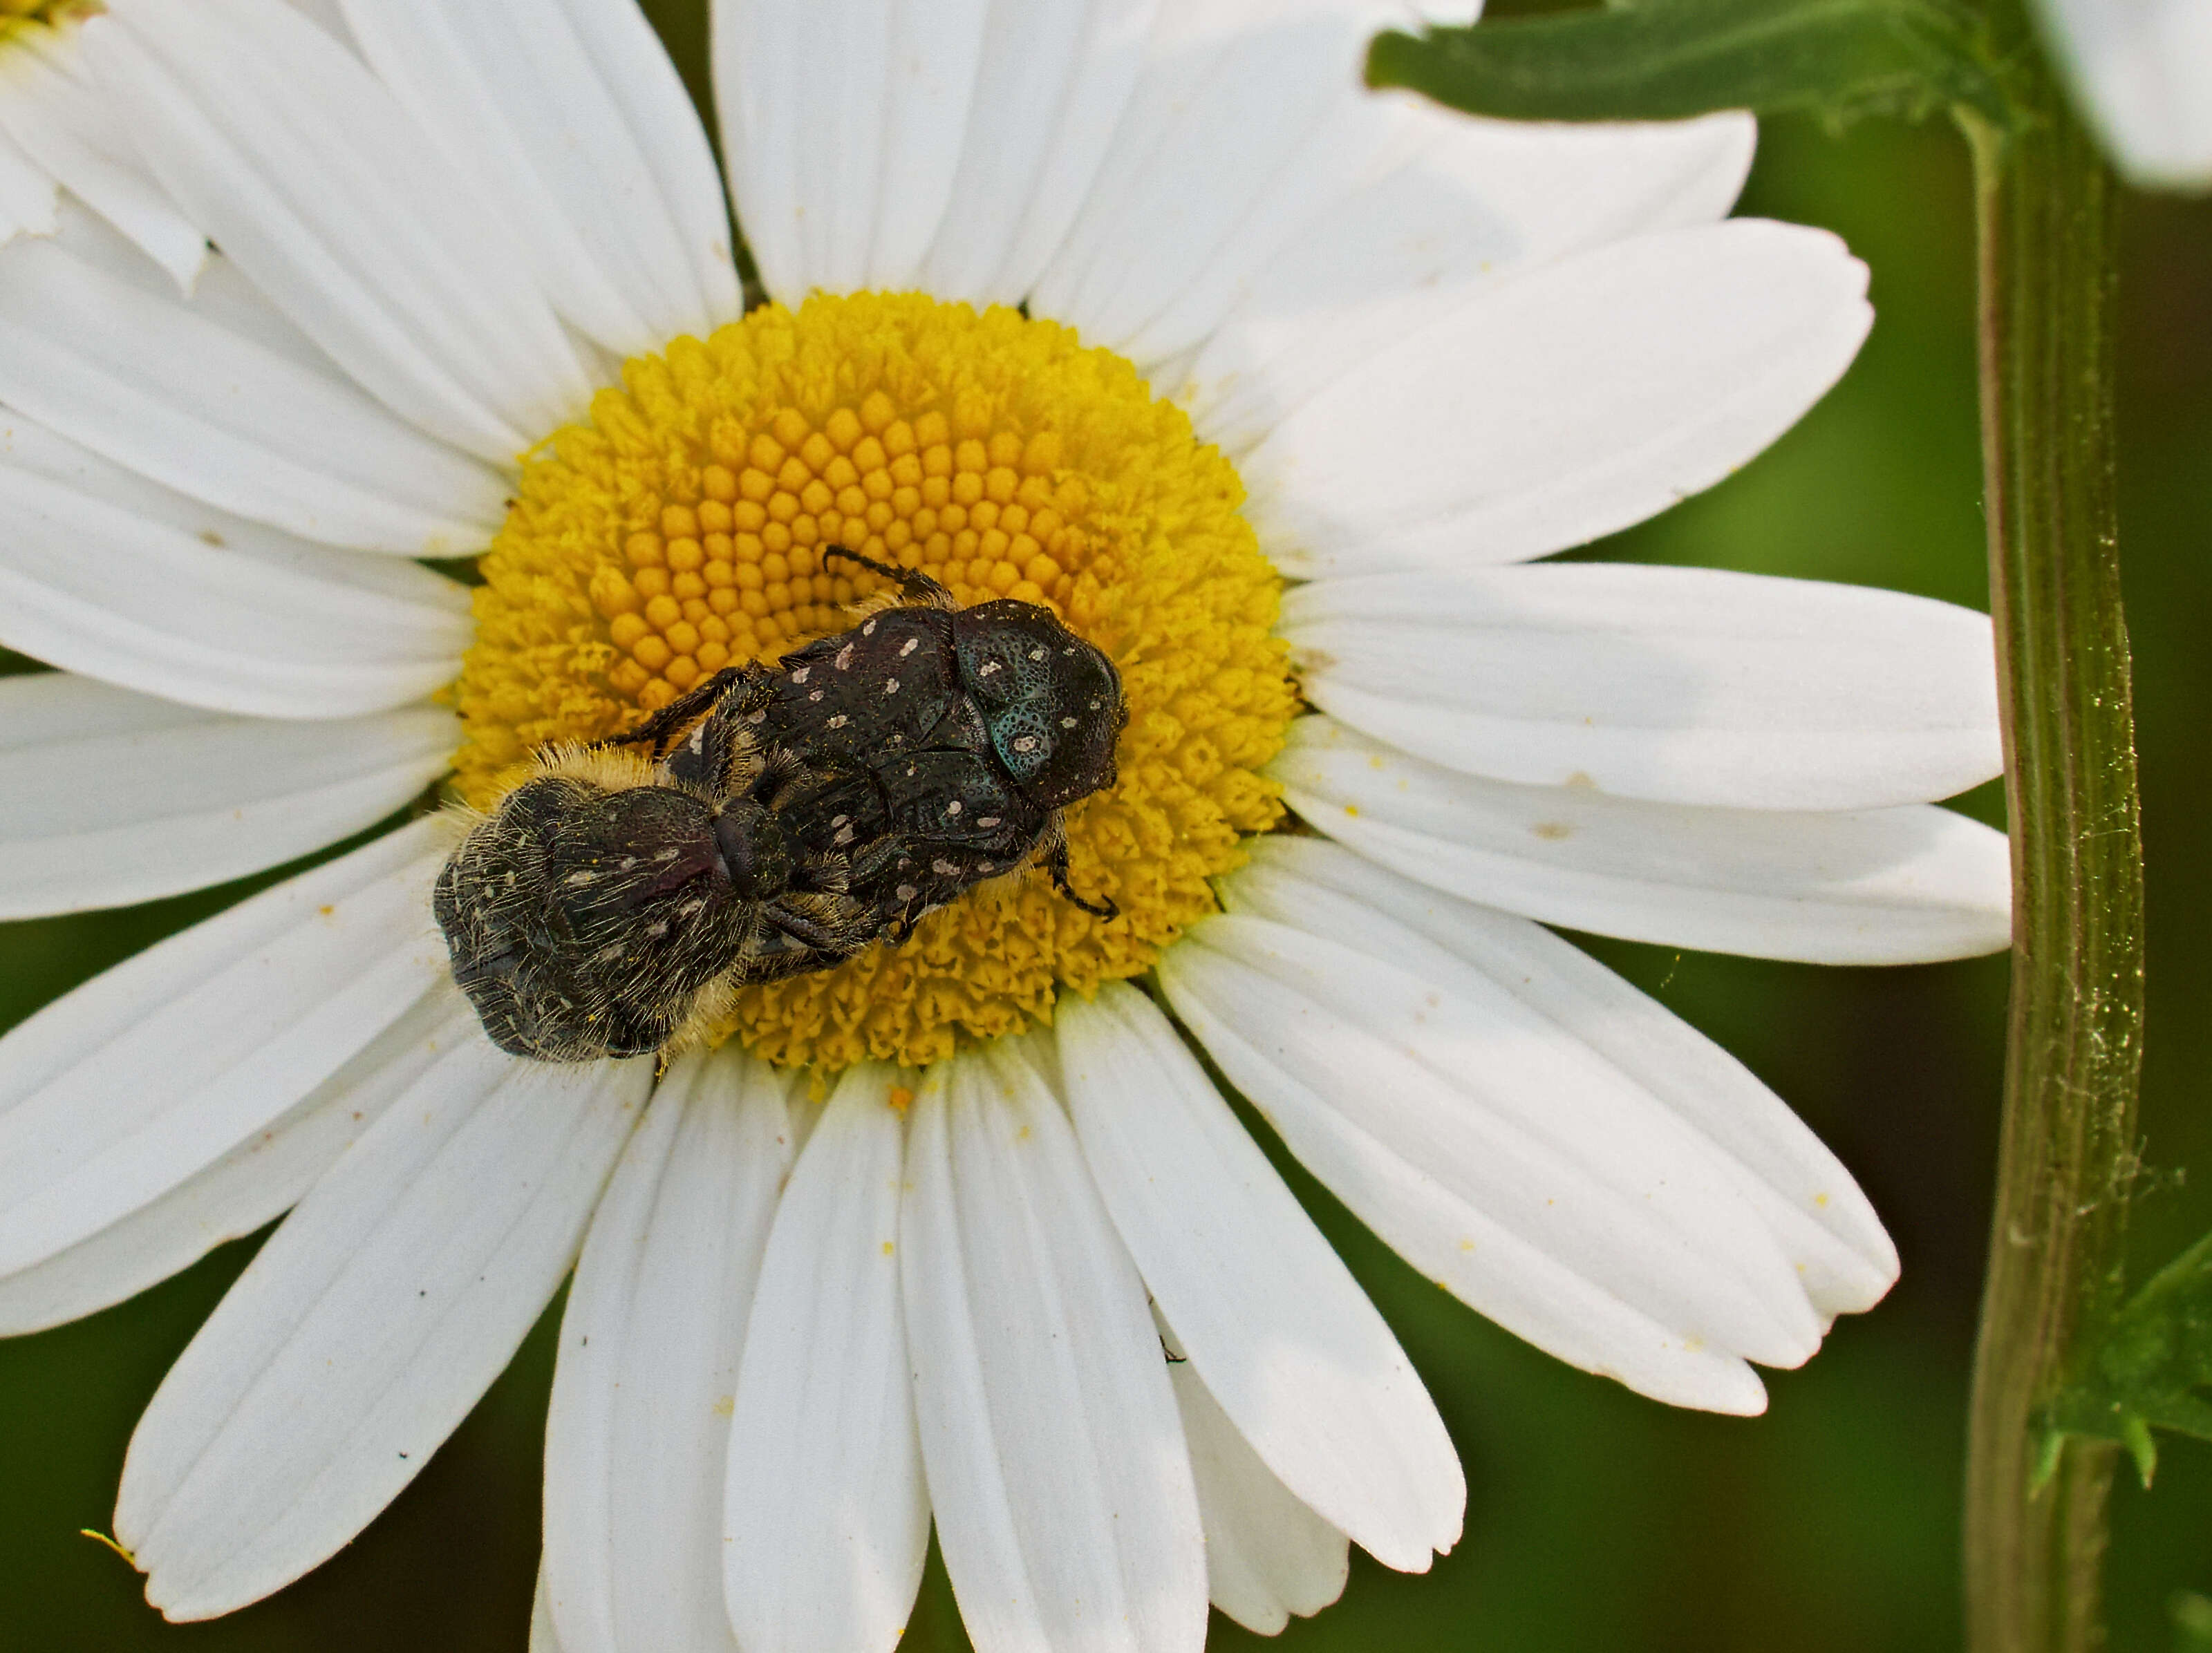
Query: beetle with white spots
x=759, y=828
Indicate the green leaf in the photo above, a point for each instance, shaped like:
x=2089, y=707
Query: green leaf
x=1665, y=59
x=2192, y=1612
x=2146, y=1369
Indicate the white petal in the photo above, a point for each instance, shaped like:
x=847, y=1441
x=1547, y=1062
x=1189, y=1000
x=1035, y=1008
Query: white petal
x=50, y=105
x=94, y=344
x=763, y=96
x=108, y=798
x=1571, y=401
x=1802, y=1194
x=1238, y=106
x=260, y=1179
x=327, y=16
x=29, y=196
x=1056, y=1464
x=944, y=147
x=1603, y=1177
x=826, y=1522
x=804, y=1114
x=1402, y=224
x=2143, y=70
x=368, y=1325
x=635, y=1439
x=1869, y=887
x=782, y=125
x=1530, y=1180
x=572, y=115
x=279, y=143
x=936, y=50
x=1054, y=80
x=1314, y=196
x=843, y=121
x=1681, y=685
x=116, y=1092
x=1267, y=1556
x=1268, y=1313
x=543, y=1638
x=106, y=573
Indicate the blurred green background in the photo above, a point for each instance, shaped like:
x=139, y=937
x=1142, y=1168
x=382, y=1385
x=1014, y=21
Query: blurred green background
x=1595, y=1519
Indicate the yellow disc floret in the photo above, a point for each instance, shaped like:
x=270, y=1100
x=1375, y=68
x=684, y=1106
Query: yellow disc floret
x=18, y=14
x=681, y=529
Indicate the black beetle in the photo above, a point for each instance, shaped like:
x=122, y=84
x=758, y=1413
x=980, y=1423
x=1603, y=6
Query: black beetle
x=775, y=819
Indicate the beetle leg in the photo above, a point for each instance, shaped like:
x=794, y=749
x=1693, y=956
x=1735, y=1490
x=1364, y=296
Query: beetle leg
x=777, y=966
x=872, y=860
x=807, y=932
x=1055, y=866
x=917, y=587
x=782, y=772
x=672, y=717
x=703, y=757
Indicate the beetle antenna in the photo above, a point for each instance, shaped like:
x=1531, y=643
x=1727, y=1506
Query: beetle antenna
x=915, y=585
x=672, y=717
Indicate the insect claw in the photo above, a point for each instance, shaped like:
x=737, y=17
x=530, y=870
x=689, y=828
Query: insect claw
x=1056, y=867
x=1101, y=909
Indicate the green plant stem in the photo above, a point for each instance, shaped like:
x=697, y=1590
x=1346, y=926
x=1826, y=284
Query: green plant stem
x=2035, y=1522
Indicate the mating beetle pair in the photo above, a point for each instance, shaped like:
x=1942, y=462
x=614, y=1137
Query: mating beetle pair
x=775, y=819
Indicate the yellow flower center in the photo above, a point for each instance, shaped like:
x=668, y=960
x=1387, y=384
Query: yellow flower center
x=681, y=528
x=18, y=14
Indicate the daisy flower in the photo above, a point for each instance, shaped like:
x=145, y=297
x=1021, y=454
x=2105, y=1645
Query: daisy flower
x=2142, y=70
x=1274, y=390
x=57, y=133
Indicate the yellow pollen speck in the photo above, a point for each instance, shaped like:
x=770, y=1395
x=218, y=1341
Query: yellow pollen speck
x=47, y=11
x=901, y=1098
x=888, y=1248
x=18, y=18
x=681, y=528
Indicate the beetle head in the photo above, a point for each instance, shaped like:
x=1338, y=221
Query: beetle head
x=1053, y=702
